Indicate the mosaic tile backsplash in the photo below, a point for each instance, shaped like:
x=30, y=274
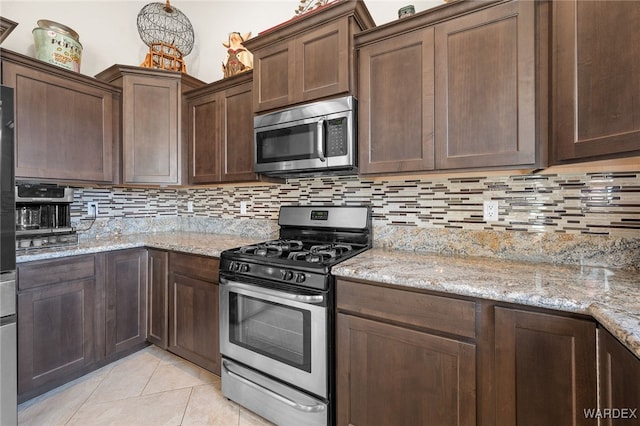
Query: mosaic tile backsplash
x=581, y=214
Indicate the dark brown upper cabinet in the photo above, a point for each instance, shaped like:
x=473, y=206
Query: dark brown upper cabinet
x=221, y=147
x=66, y=124
x=486, y=88
x=453, y=88
x=396, y=106
x=596, y=80
x=307, y=58
x=154, y=131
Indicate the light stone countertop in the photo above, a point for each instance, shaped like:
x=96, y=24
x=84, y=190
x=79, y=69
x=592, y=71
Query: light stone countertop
x=610, y=296
x=195, y=243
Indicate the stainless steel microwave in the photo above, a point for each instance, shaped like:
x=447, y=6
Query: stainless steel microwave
x=314, y=139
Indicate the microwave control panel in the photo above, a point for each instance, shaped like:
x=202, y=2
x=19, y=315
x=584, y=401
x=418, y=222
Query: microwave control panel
x=336, y=137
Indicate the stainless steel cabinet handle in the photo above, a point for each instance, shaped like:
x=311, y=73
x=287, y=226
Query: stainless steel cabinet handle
x=301, y=407
x=315, y=299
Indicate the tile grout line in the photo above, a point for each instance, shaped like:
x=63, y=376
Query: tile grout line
x=81, y=405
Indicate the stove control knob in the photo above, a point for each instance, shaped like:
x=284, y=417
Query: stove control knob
x=232, y=265
x=287, y=275
x=300, y=277
x=244, y=267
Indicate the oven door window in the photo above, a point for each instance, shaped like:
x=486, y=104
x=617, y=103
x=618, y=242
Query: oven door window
x=288, y=144
x=274, y=330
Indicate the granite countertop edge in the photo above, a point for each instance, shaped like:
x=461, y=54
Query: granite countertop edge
x=611, y=297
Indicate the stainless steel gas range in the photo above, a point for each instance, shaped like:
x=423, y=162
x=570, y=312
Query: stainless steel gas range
x=277, y=306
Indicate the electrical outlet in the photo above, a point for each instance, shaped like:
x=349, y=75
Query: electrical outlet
x=92, y=209
x=243, y=207
x=490, y=211
x=190, y=206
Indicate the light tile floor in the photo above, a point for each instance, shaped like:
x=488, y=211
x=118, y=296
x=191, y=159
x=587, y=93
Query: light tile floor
x=149, y=387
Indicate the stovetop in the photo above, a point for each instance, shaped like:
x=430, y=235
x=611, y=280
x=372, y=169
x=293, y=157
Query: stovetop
x=312, y=239
x=295, y=251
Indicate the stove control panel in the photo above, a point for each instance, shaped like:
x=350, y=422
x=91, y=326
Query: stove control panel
x=275, y=273
x=238, y=267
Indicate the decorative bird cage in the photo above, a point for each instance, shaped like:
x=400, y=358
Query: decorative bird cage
x=168, y=33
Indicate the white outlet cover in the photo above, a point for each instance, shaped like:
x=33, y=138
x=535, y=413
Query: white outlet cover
x=490, y=211
x=243, y=207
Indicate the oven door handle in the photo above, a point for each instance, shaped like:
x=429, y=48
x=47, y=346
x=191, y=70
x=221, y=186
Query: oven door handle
x=312, y=299
x=300, y=407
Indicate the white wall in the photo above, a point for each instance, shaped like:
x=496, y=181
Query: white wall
x=109, y=35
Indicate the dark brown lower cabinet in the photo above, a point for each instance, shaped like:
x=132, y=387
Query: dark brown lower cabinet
x=158, y=306
x=389, y=375
x=193, y=309
x=58, y=302
x=545, y=368
x=126, y=300
x=392, y=369
x=619, y=382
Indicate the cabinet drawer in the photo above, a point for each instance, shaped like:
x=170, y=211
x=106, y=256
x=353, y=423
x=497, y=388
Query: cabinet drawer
x=408, y=307
x=196, y=266
x=45, y=272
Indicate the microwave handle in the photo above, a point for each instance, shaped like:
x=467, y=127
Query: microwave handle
x=320, y=141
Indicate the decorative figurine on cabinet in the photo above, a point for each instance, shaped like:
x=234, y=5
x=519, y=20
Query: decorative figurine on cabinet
x=238, y=59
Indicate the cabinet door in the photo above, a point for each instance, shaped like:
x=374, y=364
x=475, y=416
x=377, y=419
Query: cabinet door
x=158, y=307
x=396, y=109
x=56, y=328
x=151, y=140
x=322, y=62
x=388, y=375
x=596, y=79
x=204, y=138
x=126, y=300
x=619, y=380
x=545, y=369
x=274, y=75
x=237, y=143
x=485, y=80
x=193, y=316
x=64, y=128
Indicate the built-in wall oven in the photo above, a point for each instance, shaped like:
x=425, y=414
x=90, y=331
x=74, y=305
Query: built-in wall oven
x=277, y=313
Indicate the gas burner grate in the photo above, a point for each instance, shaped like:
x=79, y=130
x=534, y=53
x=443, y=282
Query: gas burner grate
x=275, y=248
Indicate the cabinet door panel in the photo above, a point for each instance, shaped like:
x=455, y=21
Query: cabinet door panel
x=597, y=82
x=194, y=321
x=396, y=110
x=485, y=75
x=55, y=333
x=151, y=140
x=545, y=368
x=237, y=141
x=390, y=375
x=274, y=76
x=619, y=378
x=64, y=129
x=205, y=134
x=322, y=61
x=158, y=307
x=126, y=301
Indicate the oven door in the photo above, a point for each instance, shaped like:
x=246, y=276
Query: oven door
x=281, y=334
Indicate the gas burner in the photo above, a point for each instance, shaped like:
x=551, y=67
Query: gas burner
x=321, y=253
x=337, y=248
x=274, y=248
